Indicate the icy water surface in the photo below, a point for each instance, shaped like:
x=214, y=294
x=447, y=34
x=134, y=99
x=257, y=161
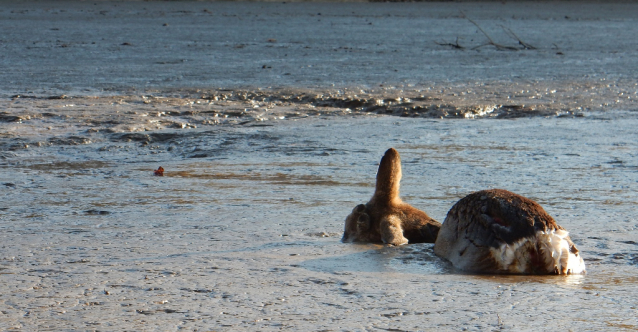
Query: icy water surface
x=242, y=232
x=269, y=120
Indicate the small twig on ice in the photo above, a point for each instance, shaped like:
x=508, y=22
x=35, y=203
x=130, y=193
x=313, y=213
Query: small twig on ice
x=492, y=42
x=513, y=35
x=498, y=46
x=523, y=45
x=455, y=45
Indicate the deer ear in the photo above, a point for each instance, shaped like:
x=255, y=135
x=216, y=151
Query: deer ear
x=351, y=231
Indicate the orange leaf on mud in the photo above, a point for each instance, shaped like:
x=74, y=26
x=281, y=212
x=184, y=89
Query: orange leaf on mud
x=159, y=171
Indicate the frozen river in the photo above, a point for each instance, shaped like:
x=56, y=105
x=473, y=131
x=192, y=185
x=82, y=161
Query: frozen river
x=264, y=157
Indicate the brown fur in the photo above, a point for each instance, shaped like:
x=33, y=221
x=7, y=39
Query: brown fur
x=386, y=218
x=487, y=219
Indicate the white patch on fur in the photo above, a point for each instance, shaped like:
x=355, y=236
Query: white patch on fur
x=564, y=261
x=553, y=251
x=509, y=258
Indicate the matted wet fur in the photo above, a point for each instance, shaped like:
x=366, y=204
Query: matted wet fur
x=386, y=218
x=497, y=231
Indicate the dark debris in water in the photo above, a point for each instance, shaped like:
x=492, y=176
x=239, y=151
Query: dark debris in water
x=164, y=120
x=7, y=117
x=97, y=212
x=69, y=140
x=158, y=137
x=409, y=106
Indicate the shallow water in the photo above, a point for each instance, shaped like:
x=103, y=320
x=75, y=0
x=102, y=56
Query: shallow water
x=263, y=164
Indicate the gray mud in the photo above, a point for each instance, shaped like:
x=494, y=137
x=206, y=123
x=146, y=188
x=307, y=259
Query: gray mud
x=261, y=167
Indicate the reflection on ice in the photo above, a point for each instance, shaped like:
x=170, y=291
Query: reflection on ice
x=375, y=258
x=576, y=280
